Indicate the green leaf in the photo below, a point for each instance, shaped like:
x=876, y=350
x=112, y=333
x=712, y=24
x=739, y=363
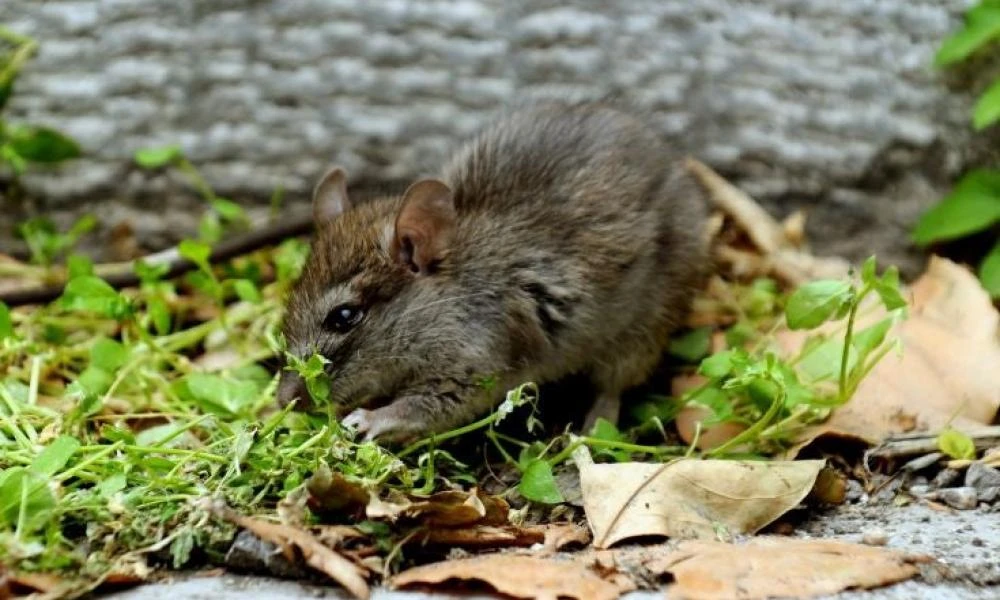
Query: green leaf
x=154, y=158
x=180, y=548
x=43, y=145
x=717, y=365
x=209, y=228
x=6, y=323
x=196, y=252
x=868, y=271
x=89, y=293
x=290, y=258
x=112, y=485
x=108, y=355
x=13, y=159
x=530, y=453
x=159, y=313
x=6, y=89
x=956, y=444
x=692, y=346
x=318, y=388
x=150, y=272
x=78, y=265
x=972, y=206
x=871, y=337
x=55, y=456
x=761, y=298
x=229, y=210
x=987, y=110
x=220, y=395
x=989, y=274
x=605, y=430
x=887, y=289
x=821, y=360
x=538, y=484
x=17, y=484
x=93, y=381
x=816, y=302
x=714, y=399
x=246, y=290
x=982, y=25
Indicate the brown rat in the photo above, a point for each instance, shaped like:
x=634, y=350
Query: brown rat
x=563, y=238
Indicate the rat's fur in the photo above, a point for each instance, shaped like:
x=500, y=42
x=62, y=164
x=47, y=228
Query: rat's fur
x=576, y=247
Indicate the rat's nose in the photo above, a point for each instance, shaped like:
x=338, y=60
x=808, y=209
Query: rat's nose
x=291, y=387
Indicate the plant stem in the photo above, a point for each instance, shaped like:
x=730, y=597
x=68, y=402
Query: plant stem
x=846, y=353
x=454, y=433
x=754, y=430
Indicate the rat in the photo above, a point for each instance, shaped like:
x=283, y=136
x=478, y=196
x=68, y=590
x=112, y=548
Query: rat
x=563, y=238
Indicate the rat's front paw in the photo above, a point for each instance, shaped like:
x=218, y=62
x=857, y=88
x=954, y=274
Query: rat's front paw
x=384, y=424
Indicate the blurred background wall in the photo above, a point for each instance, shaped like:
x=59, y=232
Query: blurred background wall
x=831, y=105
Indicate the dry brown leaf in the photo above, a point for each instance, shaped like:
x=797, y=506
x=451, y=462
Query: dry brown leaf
x=560, y=535
x=459, y=508
x=689, y=498
x=451, y=508
x=769, y=567
x=315, y=554
x=950, y=364
x=481, y=536
x=330, y=491
x=517, y=576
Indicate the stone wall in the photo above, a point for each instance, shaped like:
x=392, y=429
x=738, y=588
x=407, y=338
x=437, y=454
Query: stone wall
x=828, y=104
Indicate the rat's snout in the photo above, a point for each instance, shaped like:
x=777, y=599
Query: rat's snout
x=290, y=387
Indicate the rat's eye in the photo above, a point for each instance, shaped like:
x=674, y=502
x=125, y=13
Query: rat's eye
x=342, y=318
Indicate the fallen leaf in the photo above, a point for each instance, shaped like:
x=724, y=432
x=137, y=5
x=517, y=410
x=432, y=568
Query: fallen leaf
x=457, y=508
x=46, y=584
x=949, y=365
x=517, y=576
x=315, y=554
x=689, y=498
x=331, y=491
x=560, y=535
x=452, y=508
x=769, y=567
x=481, y=536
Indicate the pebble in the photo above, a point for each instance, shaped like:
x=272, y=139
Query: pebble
x=961, y=498
x=874, y=537
x=945, y=478
x=919, y=490
x=989, y=494
x=981, y=476
x=922, y=462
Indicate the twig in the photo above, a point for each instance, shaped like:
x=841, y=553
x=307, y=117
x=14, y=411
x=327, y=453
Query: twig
x=902, y=447
x=123, y=276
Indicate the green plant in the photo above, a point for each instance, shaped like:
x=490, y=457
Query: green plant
x=973, y=205
x=21, y=145
x=772, y=397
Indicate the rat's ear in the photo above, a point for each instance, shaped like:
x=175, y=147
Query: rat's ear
x=424, y=225
x=330, y=195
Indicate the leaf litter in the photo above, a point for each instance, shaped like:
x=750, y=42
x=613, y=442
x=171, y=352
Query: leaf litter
x=141, y=423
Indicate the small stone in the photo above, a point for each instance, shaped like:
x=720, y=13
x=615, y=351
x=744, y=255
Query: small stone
x=922, y=462
x=989, y=494
x=874, y=537
x=919, y=490
x=945, y=478
x=961, y=498
x=978, y=542
x=981, y=476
